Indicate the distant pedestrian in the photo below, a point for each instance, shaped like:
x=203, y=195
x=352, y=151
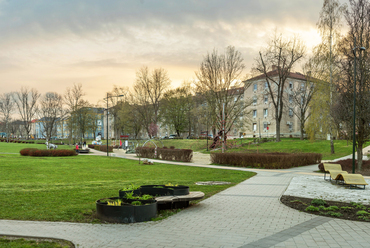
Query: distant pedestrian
x=77, y=148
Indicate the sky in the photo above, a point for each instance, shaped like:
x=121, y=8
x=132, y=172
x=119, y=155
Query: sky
x=51, y=45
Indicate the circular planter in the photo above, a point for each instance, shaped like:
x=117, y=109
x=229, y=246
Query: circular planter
x=126, y=213
x=154, y=190
x=178, y=190
x=122, y=193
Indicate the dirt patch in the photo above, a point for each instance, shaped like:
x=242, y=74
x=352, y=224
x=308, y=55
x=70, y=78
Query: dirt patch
x=347, y=211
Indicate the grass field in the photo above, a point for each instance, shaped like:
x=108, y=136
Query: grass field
x=66, y=188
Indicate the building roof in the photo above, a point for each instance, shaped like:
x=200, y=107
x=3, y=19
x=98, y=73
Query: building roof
x=295, y=75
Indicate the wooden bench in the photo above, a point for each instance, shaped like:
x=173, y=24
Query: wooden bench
x=178, y=201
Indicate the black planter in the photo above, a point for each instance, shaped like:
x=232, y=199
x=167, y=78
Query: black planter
x=122, y=194
x=154, y=190
x=126, y=213
x=178, y=190
x=162, y=190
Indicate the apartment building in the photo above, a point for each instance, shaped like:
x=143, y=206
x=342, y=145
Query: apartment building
x=262, y=110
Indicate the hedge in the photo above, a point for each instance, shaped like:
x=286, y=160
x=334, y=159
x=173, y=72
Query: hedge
x=266, y=160
x=346, y=165
x=102, y=148
x=183, y=155
x=47, y=153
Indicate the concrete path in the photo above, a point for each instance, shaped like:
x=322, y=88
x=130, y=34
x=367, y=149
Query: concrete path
x=246, y=215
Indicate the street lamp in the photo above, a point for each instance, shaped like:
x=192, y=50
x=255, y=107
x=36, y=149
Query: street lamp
x=354, y=104
x=108, y=96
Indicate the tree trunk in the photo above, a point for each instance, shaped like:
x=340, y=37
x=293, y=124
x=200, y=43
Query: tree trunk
x=277, y=130
x=359, y=156
x=302, y=127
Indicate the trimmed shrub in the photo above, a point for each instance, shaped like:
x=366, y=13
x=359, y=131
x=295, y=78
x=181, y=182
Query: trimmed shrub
x=104, y=148
x=266, y=160
x=183, y=155
x=347, y=165
x=46, y=153
x=26, y=151
x=145, y=152
x=91, y=146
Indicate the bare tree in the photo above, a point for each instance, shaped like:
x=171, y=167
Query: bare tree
x=351, y=47
x=148, y=92
x=51, y=106
x=276, y=62
x=26, y=102
x=300, y=99
x=220, y=83
x=326, y=54
x=73, y=100
x=6, y=110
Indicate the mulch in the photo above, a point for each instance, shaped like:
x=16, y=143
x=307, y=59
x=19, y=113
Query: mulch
x=300, y=204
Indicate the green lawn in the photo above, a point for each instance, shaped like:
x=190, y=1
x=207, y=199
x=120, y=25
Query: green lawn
x=66, y=188
x=22, y=243
x=295, y=145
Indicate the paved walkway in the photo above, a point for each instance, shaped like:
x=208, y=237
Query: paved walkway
x=246, y=215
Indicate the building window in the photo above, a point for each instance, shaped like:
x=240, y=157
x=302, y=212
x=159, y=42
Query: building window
x=290, y=98
x=266, y=85
x=254, y=100
x=303, y=86
x=290, y=125
x=254, y=113
x=265, y=112
x=266, y=99
x=255, y=87
x=290, y=112
x=99, y=122
x=290, y=85
x=254, y=127
x=265, y=126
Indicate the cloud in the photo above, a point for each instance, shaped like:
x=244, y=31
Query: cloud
x=99, y=41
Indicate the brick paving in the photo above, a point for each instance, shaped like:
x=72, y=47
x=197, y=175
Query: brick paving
x=246, y=215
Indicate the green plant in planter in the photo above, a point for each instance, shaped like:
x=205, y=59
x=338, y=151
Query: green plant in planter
x=130, y=195
x=117, y=202
x=136, y=203
x=146, y=197
x=131, y=187
x=171, y=185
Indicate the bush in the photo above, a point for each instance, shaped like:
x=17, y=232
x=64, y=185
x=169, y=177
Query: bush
x=27, y=151
x=104, y=148
x=91, y=146
x=346, y=165
x=318, y=202
x=145, y=152
x=266, y=160
x=46, y=153
x=96, y=147
x=183, y=155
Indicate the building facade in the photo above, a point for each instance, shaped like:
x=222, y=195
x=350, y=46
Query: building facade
x=262, y=110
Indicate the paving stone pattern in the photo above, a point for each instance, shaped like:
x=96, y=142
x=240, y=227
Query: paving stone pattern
x=246, y=215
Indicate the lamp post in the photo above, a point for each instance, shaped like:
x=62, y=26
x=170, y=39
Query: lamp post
x=108, y=118
x=354, y=104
